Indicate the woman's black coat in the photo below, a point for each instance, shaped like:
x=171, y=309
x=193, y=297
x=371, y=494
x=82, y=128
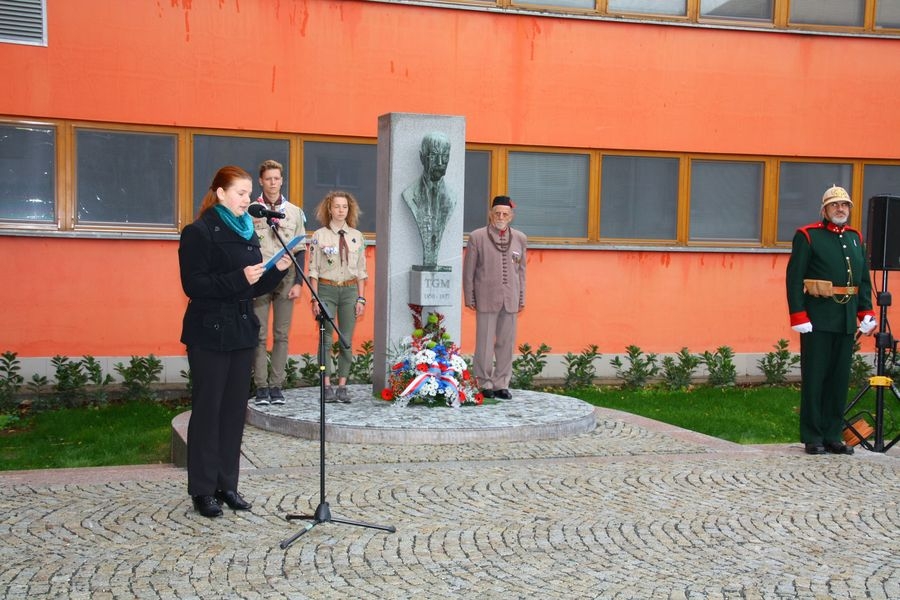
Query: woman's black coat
x=212, y=257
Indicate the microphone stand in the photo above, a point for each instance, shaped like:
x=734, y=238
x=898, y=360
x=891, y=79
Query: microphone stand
x=883, y=341
x=323, y=512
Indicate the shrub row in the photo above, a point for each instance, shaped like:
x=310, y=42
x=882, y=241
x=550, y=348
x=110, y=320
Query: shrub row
x=82, y=382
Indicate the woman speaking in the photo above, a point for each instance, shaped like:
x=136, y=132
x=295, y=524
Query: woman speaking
x=221, y=272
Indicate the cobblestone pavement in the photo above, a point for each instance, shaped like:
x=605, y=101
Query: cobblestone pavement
x=632, y=509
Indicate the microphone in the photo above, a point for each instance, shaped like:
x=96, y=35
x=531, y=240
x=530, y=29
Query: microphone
x=259, y=211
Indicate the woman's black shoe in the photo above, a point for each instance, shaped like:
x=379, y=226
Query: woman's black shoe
x=233, y=500
x=207, y=506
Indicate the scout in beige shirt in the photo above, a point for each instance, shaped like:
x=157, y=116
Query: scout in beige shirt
x=337, y=272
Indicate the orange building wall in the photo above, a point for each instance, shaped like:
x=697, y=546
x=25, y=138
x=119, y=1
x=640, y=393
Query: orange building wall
x=332, y=67
x=327, y=66
x=117, y=298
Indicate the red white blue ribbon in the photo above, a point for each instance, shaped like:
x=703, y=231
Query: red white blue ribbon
x=419, y=381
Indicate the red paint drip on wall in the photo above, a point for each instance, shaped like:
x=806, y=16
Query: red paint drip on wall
x=304, y=18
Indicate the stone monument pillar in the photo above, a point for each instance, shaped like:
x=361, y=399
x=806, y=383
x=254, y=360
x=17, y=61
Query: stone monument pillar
x=418, y=227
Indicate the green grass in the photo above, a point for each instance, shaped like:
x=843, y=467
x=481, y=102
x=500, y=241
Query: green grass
x=118, y=434
x=745, y=415
x=140, y=432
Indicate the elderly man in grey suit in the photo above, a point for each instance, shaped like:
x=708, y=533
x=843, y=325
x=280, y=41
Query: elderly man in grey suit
x=494, y=286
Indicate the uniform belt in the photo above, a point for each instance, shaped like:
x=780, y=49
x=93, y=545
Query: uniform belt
x=330, y=282
x=845, y=291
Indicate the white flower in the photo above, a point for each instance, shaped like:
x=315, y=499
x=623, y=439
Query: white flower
x=457, y=363
x=425, y=357
x=430, y=387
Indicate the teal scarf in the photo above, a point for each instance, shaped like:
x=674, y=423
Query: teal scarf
x=243, y=225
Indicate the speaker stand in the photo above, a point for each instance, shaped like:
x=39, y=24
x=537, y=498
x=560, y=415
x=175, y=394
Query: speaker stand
x=881, y=382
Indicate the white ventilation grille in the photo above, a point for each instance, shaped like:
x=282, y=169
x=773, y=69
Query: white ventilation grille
x=23, y=22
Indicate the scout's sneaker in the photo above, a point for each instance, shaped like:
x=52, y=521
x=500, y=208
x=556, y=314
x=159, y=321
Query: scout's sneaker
x=276, y=395
x=342, y=395
x=329, y=395
x=262, y=396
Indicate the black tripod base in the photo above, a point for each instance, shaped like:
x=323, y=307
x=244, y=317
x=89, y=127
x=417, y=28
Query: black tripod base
x=877, y=444
x=884, y=342
x=323, y=515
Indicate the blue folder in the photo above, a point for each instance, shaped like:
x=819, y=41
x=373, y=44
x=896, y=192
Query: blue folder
x=280, y=253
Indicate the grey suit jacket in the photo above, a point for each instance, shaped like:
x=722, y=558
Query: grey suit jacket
x=494, y=280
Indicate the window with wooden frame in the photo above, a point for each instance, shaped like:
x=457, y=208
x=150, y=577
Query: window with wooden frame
x=800, y=189
x=125, y=179
x=887, y=15
x=832, y=13
x=755, y=12
x=212, y=152
x=726, y=201
x=580, y=4
x=550, y=190
x=672, y=8
x=349, y=165
x=28, y=174
x=477, y=196
x=639, y=198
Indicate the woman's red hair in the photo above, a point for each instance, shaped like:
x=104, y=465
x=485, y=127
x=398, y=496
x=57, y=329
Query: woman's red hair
x=225, y=178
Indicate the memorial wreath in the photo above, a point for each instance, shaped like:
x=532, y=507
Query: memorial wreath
x=429, y=368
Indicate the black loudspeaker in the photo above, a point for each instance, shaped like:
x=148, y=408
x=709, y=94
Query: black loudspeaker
x=884, y=233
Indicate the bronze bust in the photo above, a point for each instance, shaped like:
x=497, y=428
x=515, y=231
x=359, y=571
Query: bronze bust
x=428, y=198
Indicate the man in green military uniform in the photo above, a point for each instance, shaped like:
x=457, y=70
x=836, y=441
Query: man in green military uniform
x=828, y=289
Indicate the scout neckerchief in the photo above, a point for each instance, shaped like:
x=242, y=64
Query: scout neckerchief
x=343, y=249
x=274, y=206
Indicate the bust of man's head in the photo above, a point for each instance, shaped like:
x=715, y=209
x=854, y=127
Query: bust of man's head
x=435, y=154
